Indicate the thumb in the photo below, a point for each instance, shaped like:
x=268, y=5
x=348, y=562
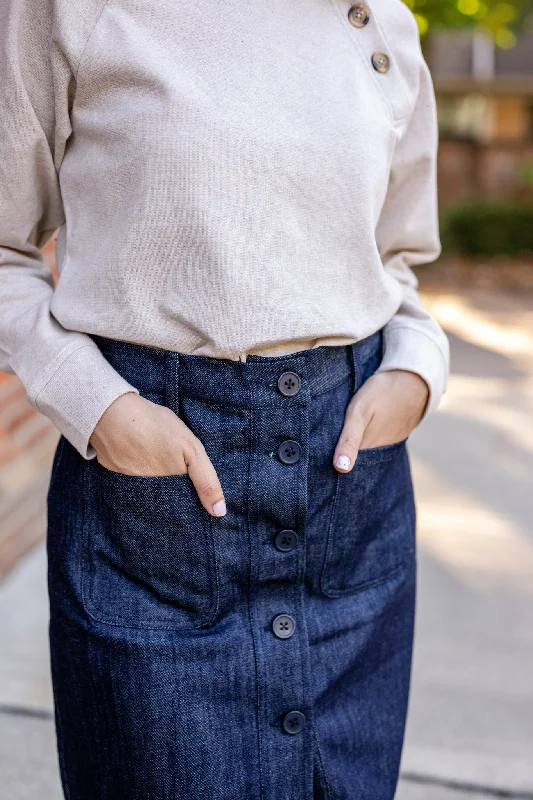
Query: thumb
x=349, y=441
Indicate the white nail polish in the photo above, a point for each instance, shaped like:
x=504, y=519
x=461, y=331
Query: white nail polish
x=343, y=462
x=219, y=509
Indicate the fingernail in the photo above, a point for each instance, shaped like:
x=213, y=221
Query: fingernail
x=219, y=509
x=343, y=462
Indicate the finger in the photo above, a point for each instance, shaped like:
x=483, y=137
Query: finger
x=349, y=441
x=205, y=479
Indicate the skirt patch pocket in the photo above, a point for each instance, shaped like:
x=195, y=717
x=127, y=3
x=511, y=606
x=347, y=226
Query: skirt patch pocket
x=371, y=532
x=149, y=557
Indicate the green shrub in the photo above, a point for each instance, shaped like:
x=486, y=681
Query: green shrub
x=525, y=173
x=488, y=228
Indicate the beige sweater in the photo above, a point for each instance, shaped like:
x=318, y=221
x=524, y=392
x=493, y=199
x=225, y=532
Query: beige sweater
x=226, y=179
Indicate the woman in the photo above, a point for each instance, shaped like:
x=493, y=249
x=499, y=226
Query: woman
x=235, y=355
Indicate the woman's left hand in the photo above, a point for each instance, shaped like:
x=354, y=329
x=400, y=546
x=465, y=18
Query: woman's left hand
x=387, y=407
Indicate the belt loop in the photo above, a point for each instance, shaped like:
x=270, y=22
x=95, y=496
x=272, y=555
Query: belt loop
x=353, y=348
x=172, y=381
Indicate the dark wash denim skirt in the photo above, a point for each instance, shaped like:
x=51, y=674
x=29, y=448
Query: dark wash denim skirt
x=264, y=655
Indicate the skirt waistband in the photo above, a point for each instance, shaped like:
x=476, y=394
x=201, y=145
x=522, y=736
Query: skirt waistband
x=249, y=384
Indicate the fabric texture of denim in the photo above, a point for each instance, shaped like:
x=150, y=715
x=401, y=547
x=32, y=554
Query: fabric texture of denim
x=170, y=680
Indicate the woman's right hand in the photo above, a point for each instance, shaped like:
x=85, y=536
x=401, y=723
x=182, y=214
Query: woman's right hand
x=137, y=437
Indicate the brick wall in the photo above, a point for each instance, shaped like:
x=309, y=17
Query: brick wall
x=27, y=443
x=470, y=169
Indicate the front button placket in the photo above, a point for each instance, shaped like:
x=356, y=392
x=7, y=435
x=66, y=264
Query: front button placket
x=363, y=24
x=278, y=507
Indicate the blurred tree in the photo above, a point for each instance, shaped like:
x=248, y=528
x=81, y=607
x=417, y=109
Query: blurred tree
x=500, y=19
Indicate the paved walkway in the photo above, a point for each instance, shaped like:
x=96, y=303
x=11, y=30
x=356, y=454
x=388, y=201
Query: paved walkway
x=470, y=733
x=472, y=706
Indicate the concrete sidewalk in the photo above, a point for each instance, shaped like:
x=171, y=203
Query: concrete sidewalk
x=471, y=718
x=470, y=732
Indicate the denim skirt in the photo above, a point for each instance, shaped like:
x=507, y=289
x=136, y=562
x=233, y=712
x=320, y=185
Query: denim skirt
x=263, y=655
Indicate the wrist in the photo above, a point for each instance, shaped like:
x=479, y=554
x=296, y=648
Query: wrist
x=413, y=389
x=110, y=420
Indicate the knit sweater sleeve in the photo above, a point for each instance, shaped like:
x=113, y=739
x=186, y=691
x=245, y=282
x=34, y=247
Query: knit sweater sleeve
x=408, y=235
x=63, y=372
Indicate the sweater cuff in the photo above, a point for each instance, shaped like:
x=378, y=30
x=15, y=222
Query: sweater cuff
x=79, y=391
x=410, y=349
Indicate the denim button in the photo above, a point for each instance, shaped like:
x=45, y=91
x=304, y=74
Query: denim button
x=293, y=722
x=283, y=626
x=289, y=452
x=286, y=541
x=359, y=15
x=289, y=384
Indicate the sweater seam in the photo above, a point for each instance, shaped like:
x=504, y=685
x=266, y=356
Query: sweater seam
x=89, y=37
x=406, y=117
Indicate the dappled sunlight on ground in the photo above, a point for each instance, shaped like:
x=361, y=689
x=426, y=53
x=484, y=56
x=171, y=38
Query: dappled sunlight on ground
x=499, y=320
x=471, y=707
x=473, y=461
x=481, y=548
x=490, y=401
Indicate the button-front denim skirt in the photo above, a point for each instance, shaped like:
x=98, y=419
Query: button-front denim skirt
x=264, y=655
